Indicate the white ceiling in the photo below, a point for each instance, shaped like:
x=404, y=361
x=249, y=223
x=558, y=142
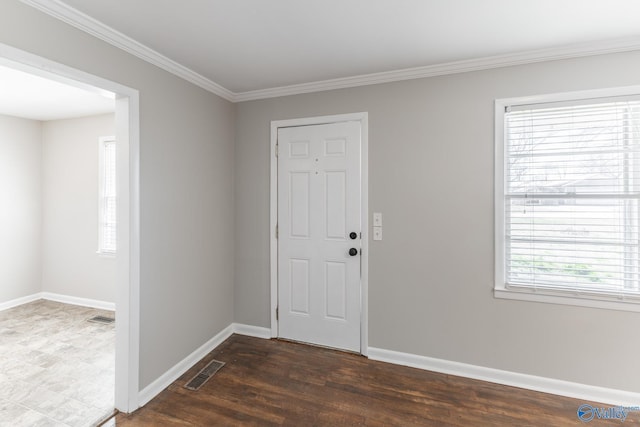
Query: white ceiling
x=248, y=45
x=38, y=98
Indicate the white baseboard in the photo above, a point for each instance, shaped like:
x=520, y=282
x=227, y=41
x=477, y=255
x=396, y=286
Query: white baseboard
x=85, y=302
x=152, y=390
x=164, y=381
x=66, y=299
x=19, y=301
x=251, y=331
x=530, y=382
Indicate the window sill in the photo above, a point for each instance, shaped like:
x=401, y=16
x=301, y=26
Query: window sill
x=104, y=254
x=559, y=297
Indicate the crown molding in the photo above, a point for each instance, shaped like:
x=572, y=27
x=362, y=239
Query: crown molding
x=486, y=63
x=71, y=16
x=65, y=13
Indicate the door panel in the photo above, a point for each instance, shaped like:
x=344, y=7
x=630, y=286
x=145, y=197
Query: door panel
x=299, y=204
x=336, y=285
x=336, y=204
x=299, y=273
x=319, y=204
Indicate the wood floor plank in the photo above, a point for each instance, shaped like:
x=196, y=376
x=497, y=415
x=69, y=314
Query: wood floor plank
x=277, y=383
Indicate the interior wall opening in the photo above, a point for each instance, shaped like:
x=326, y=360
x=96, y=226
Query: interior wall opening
x=120, y=123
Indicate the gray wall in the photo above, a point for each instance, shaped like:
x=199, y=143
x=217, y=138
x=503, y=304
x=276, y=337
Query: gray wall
x=21, y=207
x=70, y=262
x=431, y=175
x=186, y=187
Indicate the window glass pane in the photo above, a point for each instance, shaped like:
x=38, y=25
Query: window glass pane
x=571, y=204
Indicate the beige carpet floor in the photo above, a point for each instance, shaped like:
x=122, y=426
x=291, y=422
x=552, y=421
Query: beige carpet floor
x=56, y=368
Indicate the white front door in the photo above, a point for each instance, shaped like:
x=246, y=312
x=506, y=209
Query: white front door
x=319, y=223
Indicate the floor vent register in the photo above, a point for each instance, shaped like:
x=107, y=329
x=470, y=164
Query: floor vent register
x=203, y=376
x=102, y=319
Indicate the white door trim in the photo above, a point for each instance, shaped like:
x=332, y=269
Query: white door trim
x=363, y=118
x=128, y=173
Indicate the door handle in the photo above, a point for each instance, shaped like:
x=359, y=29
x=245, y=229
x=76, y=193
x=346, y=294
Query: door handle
x=353, y=252
x=353, y=235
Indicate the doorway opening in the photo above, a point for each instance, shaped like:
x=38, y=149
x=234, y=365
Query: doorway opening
x=127, y=264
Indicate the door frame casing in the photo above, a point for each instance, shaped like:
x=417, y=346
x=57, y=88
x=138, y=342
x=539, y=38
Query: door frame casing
x=363, y=119
x=127, y=124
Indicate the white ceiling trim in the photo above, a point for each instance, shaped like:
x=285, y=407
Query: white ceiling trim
x=96, y=28
x=541, y=55
x=86, y=23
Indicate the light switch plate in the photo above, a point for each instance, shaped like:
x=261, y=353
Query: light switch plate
x=377, y=233
x=377, y=219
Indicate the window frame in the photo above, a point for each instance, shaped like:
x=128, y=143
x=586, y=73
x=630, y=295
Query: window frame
x=605, y=300
x=102, y=143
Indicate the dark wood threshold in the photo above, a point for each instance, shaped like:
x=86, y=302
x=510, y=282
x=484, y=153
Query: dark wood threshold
x=107, y=419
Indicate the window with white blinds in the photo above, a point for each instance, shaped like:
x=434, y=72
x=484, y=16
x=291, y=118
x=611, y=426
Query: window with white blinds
x=107, y=196
x=571, y=186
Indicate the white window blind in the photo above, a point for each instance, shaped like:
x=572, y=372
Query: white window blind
x=107, y=202
x=571, y=196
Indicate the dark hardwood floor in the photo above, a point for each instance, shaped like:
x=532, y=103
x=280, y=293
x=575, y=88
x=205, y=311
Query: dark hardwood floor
x=271, y=382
